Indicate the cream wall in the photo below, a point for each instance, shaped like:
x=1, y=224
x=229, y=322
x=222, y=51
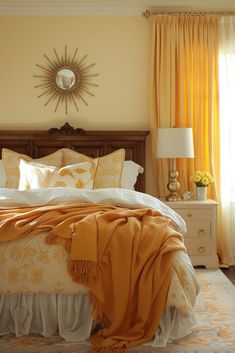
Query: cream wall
x=120, y=48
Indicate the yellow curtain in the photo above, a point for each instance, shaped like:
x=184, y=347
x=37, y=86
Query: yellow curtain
x=184, y=87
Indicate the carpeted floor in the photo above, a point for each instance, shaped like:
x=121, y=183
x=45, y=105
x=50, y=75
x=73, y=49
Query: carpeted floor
x=214, y=332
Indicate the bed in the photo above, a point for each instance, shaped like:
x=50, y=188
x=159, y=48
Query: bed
x=49, y=284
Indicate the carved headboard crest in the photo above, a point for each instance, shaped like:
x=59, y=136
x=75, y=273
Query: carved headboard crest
x=67, y=130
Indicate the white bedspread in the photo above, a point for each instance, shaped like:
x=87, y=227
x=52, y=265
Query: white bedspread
x=114, y=196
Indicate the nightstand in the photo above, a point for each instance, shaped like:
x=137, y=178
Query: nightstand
x=200, y=239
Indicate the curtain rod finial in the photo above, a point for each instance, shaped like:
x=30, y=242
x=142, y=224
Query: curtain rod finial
x=146, y=14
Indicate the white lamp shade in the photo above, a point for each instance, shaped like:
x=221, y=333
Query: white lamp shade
x=175, y=143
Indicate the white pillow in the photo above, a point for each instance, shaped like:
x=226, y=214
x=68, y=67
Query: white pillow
x=3, y=177
x=130, y=172
x=36, y=175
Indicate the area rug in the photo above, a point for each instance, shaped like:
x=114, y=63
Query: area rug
x=213, y=333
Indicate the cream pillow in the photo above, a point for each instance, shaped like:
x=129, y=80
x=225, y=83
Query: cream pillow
x=11, y=162
x=130, y=172
x=36, y=175
x=109, y=167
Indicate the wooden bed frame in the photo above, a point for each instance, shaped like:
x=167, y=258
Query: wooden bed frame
x=38, y=143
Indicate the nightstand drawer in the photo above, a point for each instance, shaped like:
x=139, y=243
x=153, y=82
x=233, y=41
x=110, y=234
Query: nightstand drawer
x=198, y=247
x=200, y=230
x=190, y=215
x=200, y=238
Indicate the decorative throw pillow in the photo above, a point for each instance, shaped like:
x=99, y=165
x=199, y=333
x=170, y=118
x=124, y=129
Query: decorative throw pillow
x=130, y=172
x=35, y=175
x=11, y=162
x=109, y=167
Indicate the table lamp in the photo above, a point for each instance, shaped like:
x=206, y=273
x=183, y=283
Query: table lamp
x=174, y=143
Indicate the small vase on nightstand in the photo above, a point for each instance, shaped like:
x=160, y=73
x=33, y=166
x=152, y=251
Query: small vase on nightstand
x=201, y=193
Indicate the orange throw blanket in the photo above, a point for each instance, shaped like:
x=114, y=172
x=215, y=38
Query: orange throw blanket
x=122, y=255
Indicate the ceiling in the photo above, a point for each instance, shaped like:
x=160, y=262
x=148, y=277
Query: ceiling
x=108, y=7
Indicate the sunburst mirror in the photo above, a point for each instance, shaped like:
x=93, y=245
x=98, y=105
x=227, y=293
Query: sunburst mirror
x=66, y=79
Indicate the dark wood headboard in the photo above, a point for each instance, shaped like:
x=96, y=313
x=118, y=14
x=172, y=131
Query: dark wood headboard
x=38, y=143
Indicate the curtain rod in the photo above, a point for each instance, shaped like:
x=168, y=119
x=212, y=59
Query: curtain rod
x=147, y=13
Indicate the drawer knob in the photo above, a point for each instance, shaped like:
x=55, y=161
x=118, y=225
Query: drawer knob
x=201, y=249
x=189, y=214
x=201, y=232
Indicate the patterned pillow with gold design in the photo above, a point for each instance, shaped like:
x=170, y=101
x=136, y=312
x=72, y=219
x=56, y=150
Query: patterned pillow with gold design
x=11, y=163
x=109, y=167
x=36, y=175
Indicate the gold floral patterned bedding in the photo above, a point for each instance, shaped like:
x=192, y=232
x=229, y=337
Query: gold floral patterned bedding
x=184, y=286
x=30, y=265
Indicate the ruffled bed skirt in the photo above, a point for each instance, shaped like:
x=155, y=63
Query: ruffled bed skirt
x=69, y=315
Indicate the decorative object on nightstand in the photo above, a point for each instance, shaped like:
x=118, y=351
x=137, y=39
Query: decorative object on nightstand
x=174, y=143
x=202, y=180
x=200, y=238
x=188, y=196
